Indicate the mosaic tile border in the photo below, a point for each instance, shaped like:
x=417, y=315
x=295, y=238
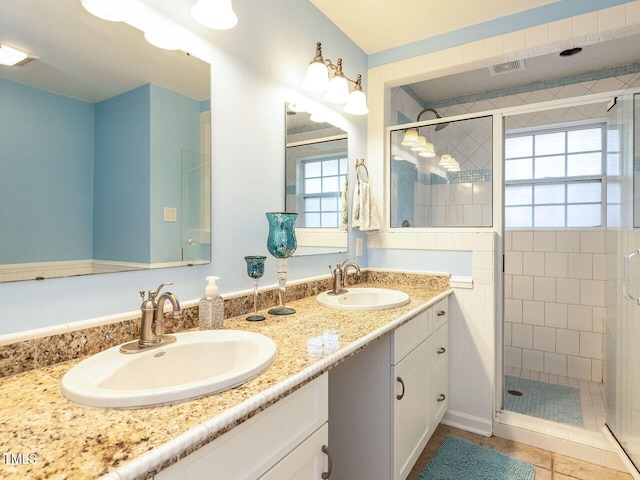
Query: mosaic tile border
x=41, y=352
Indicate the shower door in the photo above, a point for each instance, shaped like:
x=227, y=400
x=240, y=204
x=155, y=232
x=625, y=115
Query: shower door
x=623, y=283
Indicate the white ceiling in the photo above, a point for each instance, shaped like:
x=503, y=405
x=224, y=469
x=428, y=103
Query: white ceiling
x=593, y=57
x=376, y=25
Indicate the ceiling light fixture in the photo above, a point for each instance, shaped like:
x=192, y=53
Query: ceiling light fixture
x=216, y=14
x=98, y=11
x=12, y=56
x=337, y=89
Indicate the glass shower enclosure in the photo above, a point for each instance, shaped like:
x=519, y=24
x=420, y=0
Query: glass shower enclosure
x=622, y=349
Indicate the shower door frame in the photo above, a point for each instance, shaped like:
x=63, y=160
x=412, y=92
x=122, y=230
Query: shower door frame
x=499, y=163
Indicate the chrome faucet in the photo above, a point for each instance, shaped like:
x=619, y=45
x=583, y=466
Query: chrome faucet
x=339, y=276
x=152, y=321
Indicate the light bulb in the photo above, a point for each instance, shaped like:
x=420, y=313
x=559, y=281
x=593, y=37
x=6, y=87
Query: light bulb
x=216, y=14
x=159, y=42
x=428, y=151
x=357, y=104
x=338, y=91
x=317, y=79
x=97, y=10
x=410, y=138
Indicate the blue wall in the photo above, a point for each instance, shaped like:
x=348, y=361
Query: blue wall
x=122, y=177
x=175, y=127
x=46, y=147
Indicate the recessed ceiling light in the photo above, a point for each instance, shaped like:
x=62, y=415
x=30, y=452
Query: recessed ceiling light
x=12, y=56
x=570, y=51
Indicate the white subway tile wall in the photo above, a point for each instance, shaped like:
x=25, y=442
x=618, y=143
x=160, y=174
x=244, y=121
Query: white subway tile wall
x=554, y=302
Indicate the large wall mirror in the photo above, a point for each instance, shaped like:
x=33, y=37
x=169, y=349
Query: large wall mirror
x=104, y=147
x=316, y=182
x=441, y=174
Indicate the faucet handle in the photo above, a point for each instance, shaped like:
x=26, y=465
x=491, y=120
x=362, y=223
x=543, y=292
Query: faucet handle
x=153, y=294
x=348, y=259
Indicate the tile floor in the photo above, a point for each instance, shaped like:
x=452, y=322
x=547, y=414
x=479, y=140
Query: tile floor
x=548, y=465
x=592, y=394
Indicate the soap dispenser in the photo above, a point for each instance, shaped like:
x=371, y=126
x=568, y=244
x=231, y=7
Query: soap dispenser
x=211, y=307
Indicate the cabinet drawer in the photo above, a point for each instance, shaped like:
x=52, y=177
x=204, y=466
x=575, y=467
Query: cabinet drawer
x=252, y=448
x=410, y=335
x=439, y=397
x=307, y=462
x=440, y=314
x=439, y=345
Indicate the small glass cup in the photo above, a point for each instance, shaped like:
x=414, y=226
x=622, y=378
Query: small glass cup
x=255, y=270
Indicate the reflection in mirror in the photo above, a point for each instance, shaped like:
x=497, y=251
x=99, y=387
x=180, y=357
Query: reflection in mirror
x=441, y=176
x=316, y=183
x=104, y=147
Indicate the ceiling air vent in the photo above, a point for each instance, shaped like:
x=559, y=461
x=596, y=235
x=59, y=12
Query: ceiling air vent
x=507, y=67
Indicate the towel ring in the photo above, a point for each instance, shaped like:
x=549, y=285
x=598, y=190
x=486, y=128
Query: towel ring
x=360, y=162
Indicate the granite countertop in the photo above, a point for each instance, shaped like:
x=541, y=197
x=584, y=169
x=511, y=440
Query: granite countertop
x=45, y=436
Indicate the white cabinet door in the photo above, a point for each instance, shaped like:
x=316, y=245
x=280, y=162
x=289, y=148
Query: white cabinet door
x=309, y=461
x=411, y=409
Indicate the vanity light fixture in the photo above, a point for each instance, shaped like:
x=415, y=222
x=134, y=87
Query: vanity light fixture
x=216, y=14
x=336, y=88
x=97, y=10
x=159, y=42
x=11, y=57
x=449, y=163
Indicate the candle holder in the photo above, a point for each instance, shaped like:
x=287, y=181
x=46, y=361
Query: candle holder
x=255, y=269
x=281, y=243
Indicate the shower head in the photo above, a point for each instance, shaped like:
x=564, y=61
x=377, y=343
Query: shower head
x=440, y=126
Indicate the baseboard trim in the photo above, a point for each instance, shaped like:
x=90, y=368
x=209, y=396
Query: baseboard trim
x=470, y=423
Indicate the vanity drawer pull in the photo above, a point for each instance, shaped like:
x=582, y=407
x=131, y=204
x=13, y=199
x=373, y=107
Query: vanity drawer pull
x=442, y=397
x=441, y=313
x=327, y=474
x=441, y=350
x=399, y=397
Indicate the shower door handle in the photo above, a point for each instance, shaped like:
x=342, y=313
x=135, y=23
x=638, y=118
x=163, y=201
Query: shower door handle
x=626, y=276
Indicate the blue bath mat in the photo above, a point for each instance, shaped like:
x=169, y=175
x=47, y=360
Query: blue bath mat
x=557, y=403
x=458, y=459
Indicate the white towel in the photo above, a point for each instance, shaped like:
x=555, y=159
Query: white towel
x=365, y=213
x=344, y=206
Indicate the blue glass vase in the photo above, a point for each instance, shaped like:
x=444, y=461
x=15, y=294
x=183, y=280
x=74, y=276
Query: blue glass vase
x=255, y=270
x=281, y=243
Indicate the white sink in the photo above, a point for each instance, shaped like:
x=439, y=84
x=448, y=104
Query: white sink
x=364, y=299
x=199, y=363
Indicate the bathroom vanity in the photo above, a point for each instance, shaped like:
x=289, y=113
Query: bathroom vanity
x=289, y=422
x=338, y=425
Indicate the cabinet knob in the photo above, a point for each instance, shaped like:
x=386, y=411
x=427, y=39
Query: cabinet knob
x=441, y=350
x=327, y=474
x=442, y=397
x=441, y=313
x=399, y=397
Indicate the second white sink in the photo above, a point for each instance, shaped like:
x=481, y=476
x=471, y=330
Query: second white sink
x=197, y=364
x=364, y=299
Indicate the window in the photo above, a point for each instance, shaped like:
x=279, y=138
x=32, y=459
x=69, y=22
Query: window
x=555, y=178
x=323, y=181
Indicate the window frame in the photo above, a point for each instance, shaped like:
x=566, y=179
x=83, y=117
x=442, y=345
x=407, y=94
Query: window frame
x=565, y=180
x=303, y=195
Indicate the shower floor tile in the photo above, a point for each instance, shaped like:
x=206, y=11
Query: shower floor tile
x=592, y=395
